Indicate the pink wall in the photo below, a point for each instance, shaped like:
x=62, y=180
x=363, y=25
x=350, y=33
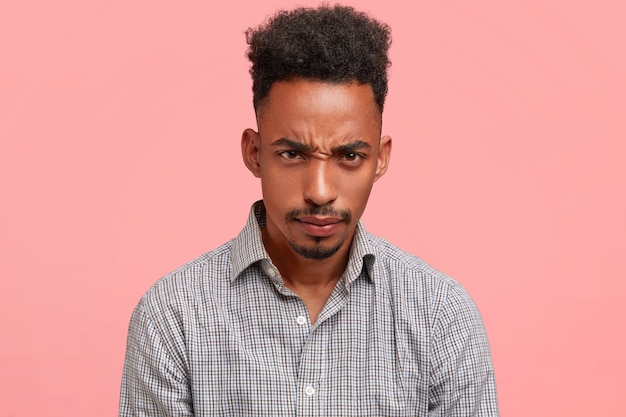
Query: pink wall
x=120, y=125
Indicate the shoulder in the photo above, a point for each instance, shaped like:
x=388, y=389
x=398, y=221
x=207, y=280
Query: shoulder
x=406, y=268
x=416, y=284
x=183, y=287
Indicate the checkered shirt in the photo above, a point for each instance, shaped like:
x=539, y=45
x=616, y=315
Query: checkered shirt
x=223, y=336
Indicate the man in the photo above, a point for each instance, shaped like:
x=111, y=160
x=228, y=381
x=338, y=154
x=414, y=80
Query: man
x=305, y=313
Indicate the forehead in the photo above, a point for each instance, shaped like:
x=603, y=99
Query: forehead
x=316, y=106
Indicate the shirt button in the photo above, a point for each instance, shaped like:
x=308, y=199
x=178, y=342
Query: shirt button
x=309, y=390
x=271, y=272
x=301, y=320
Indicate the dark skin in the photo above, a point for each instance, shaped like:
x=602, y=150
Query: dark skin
x=318, y=152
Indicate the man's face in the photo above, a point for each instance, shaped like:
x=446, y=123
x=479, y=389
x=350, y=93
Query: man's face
x=318, y=152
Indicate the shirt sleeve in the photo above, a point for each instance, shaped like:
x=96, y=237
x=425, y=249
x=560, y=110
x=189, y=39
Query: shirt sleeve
x=154, y=380
x=462, y=376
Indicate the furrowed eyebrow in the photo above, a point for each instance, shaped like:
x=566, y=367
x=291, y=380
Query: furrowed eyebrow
x=288, y=143
x=301, y=147
x=351, y=147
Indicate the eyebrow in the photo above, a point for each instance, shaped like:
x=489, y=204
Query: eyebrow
x=301, y=147
x=288, y=143
x=351, y=147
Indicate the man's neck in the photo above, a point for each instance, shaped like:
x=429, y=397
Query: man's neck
x=313, y=280
x=305, y=271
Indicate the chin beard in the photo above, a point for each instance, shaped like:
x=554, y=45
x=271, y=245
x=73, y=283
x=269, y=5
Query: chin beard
x=316, y=252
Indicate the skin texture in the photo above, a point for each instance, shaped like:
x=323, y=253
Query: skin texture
x=318, y=152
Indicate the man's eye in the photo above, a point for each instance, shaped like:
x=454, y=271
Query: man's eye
x=352, y=156
x=289, y=154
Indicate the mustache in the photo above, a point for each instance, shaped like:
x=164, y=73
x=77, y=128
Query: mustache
x=327, y=211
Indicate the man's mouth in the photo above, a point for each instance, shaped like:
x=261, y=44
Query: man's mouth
x=318, y=220
x=319, y=226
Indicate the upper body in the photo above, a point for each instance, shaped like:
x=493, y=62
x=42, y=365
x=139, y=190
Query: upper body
x=223, y=335
x=383, y=334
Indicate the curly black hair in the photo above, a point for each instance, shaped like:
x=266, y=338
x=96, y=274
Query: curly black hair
x=334, y=44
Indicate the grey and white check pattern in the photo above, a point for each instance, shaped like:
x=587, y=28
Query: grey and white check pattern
x=223, y=336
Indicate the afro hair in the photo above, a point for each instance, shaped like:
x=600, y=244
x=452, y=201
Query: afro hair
x=332, y=44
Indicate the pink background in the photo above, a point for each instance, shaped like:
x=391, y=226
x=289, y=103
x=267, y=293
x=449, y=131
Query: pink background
x=120, y=124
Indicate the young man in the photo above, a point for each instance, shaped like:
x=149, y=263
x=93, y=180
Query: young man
x=305, y=313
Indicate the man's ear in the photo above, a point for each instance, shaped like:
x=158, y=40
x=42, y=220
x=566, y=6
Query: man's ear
x=384, y=154
x=250, y=149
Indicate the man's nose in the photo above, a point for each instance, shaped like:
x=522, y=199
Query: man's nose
x=320, y=180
